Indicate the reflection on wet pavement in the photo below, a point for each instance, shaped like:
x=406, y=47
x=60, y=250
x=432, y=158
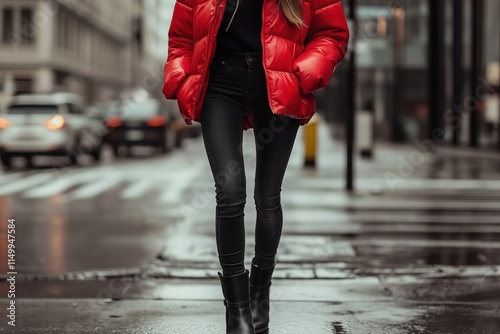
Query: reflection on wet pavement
x=152, y=317
x=420, y=258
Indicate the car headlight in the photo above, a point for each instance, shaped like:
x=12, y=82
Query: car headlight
x=55, y=123
x=4, y=123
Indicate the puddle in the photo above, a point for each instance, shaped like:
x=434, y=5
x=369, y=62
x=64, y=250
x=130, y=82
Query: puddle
x=468, y=319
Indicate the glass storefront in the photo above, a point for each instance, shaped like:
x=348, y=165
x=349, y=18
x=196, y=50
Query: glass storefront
x=392, y=61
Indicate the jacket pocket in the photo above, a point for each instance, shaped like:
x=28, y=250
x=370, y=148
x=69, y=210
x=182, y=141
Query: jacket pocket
x=297, y=79
x=183, y=96
x=174, y=73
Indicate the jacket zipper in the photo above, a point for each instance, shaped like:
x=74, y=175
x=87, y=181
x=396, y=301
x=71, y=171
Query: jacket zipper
x=234, y=13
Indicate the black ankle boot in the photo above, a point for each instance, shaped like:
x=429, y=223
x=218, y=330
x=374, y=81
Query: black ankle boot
x=237, y=302
x=260, y=283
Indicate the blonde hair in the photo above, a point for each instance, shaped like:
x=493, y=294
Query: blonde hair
x=293, y=11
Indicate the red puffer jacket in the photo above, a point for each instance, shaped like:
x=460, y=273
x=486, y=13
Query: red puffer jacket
x=297, y=61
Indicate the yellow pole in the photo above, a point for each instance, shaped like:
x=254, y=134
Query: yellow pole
x=310, y=142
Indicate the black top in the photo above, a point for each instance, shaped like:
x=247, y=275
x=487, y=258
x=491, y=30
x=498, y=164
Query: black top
x=243, y=34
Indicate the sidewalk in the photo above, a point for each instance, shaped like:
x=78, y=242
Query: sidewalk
x=413, y=250
x=357, y=305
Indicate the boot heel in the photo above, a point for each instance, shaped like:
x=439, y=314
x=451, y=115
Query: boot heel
x=260, y=283
x=237, y=301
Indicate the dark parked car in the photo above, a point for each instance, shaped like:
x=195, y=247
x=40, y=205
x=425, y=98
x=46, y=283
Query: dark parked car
x=145, y=123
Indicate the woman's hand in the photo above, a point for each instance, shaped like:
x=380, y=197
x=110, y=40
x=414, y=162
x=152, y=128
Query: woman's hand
x=325, y=45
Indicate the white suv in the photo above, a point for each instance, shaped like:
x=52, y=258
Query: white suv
x=48, y=124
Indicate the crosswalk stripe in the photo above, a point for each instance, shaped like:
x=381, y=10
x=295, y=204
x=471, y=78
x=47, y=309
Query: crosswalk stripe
x=412, y=184
x=323, y=224
x=425, y=243
x=25, y=183
x=6, y=178
x=316, y=190
x=59, y=185
x=137, y=189
x=356, y=228
x=431, y=271
x=305, y=199
x=96, y=188
x=183, y=180
x=332, y=216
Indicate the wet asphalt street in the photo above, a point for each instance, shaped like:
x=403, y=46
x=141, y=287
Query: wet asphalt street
x=128, y=246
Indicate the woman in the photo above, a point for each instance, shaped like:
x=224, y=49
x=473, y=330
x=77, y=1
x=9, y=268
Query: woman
x=238, y=64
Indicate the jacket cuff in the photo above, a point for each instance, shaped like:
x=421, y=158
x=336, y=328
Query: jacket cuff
x=313, y=72
x=175, y=72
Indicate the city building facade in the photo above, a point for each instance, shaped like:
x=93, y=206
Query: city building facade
x=86, y=47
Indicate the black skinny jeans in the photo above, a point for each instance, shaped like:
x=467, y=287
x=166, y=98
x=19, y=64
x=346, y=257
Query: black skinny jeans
x=237, y=84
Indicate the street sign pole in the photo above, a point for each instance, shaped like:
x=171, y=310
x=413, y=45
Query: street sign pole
x=458, y=77
x=477, y=56
x=437, y=71
x=351, y=99
x=498, y=93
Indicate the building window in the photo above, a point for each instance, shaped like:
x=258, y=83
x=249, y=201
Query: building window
x=66, y=32
x=74, y=109
x=8, y=25
x=61, y=29
x=27, y=31
x=17, y=25
x=24, y=85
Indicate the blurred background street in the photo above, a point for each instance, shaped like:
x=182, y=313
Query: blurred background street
x=391, y=198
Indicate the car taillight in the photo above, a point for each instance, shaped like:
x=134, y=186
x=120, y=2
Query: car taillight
x=55, y=123
x=114, y=121
x=4, y=123
x=157, y=120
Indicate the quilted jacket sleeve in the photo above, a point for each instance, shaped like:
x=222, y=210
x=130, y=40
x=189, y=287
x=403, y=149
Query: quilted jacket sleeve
x=325, y=45
x=180, y=47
